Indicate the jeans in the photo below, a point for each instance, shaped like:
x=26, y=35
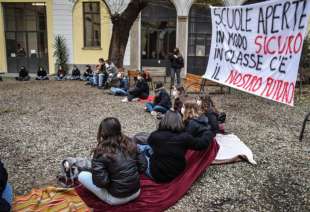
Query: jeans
x=175, y=71
x=99, y=80
x=60, y=78
x=118, y=91
x=147, y=151
x=85, y=178
x=8, y=194
x=42, y=78
x=152, y=107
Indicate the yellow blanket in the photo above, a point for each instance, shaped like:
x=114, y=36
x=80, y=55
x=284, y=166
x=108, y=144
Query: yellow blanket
x=50, y=199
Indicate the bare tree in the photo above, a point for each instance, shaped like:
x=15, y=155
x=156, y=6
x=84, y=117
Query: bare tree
x=123, y=14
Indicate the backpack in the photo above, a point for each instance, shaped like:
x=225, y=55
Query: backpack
x=70, y=169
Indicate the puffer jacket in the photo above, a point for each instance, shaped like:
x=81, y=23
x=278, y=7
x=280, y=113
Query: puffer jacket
x=197, y=126
x=118, y=174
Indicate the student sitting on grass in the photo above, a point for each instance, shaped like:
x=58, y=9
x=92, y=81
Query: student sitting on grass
x=42, y=74
x=23, y=74
x=88, y=74
x=61, y=74
x=116, y=165
x=75, y=74
x=166, y=148
x=122, y=88
x=140, y=90
x=162, y=101
x=6, y=191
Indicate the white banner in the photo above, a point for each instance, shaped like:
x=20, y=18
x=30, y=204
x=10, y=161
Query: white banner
x=256, y=48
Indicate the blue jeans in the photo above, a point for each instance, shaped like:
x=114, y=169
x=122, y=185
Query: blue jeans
x=152, y=107
x=147, y=151
x=60, y=78
x=118, y=91
x=8, y=194
x=99, y=80
x=175, y=71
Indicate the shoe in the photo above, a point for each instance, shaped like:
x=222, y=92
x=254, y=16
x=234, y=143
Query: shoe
x=125, y=100
x=154, y=113
x=135, y=99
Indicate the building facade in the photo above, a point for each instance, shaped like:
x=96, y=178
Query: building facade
x=28, y=28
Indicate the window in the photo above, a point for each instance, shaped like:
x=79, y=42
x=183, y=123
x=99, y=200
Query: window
x=91, y=14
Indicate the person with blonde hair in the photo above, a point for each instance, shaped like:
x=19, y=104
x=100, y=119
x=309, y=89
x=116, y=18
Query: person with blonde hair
x=196, y=122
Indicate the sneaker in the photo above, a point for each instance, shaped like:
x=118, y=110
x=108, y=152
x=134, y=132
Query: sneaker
x=125, y=100
x=135, y=99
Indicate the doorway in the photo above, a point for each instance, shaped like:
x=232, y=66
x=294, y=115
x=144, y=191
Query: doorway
x=25, y=36
x=158, y=33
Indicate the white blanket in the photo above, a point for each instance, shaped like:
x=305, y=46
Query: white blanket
x=232, y=149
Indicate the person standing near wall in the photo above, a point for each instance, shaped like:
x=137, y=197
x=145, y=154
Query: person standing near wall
x=177, y=63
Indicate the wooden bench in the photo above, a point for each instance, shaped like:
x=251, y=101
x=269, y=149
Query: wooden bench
x=196, y=84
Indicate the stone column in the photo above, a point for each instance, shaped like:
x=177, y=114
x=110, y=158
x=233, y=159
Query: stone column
x=135, y=46
x=182, y=39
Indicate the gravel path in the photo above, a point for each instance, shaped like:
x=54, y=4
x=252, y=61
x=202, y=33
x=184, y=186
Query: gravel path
x=43, y=122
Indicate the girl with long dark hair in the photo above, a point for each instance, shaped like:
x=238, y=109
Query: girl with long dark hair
x=116, y=165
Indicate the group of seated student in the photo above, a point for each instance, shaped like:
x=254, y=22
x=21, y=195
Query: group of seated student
x=118, y=161
x=23, y=74
x=104, y=75
x=6, y=192
x=62, y=74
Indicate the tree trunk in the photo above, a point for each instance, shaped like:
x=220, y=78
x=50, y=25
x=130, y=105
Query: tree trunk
x=122, y=24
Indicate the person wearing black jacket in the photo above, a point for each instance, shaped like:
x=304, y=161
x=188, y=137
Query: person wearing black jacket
x=76, y=73
x=6, y=194
x=168, y=145
x=177, y=63
x=141, y=90
x=23, y=74
x=88, y=74
x=41, y=74
x=196, y=122
x=116, y=165
x=162, y=101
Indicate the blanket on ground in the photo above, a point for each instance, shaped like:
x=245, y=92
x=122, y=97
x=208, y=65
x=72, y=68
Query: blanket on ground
x=154, y=197
x=50, y=199
x=158, y=197
x=149, y=99
x=232, y=149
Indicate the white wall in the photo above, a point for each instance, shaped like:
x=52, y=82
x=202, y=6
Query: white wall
x=62, y=21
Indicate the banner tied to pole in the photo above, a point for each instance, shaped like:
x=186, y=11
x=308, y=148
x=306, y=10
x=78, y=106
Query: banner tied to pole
x=256, y=48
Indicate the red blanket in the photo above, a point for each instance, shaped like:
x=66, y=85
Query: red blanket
x=149, y=99
x=158, y=197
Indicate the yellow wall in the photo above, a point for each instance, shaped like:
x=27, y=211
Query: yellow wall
x=49, y=15
x=83, y=55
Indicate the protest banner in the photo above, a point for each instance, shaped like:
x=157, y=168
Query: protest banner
x=256, y=48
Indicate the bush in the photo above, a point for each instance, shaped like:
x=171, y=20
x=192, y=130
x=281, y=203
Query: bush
x=60, y=52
